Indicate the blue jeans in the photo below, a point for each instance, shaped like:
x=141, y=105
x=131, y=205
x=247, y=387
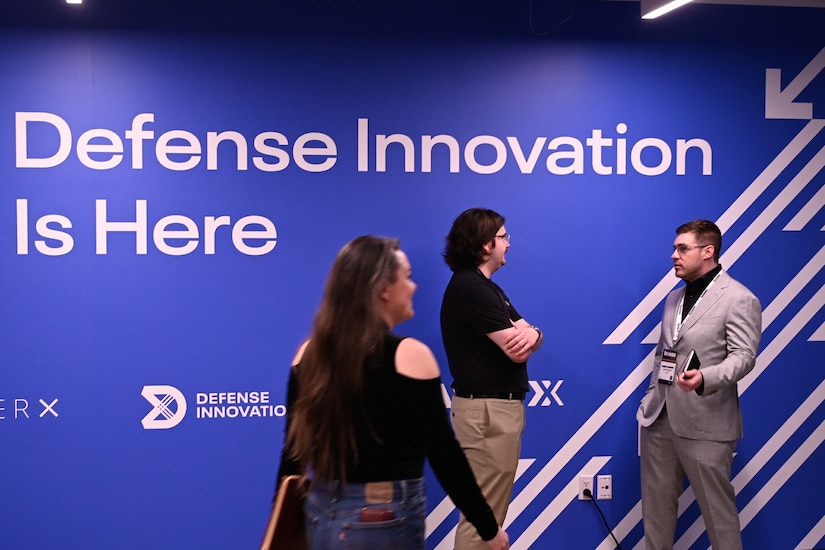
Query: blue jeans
x=332, y=513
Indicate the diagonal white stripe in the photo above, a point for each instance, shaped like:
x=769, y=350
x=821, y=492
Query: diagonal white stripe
x=761, y=458
x=735, y=251
x=562, y=500
x=784, y=298
x=762, y=362
x=818, y=335
x=445, y=508
x=807, y=75
x=585, y=432
x=781, y=341
x=447, y=542
x=644, y=308
x=782, y=475
x=725, y=221
x=808, y=211
x=813, y=537
x=793, y=288
x=782, y=435
x=623, y=528
x=777, y=205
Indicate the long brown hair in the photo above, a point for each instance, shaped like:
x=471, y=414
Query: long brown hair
x=348, y=328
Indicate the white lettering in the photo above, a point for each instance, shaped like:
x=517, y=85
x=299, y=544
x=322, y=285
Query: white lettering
x=427, y=143
x=664, y=160
x=113, y=146
x=181, y=150
x=682, y=148
x=177, y=150
x=44, y=227
x=137, y=135
x=21, y=406
x=210, y=226
x=103, y=226
x=162, y=232
x=268, y=234
x=327, y=151
x=280, y=155
x=363, y=145
x=240, y=411
x=575, y=156
x=621, y=149
x=21, y=136
x=251, y=235
x=212, y=141
x=381, y=144
x=232, y=398
x=44, y=230
x=526, y=165
x=190, y=148
x=596, y=142
x=565, y=155
x=22, y=227
x=498, y=147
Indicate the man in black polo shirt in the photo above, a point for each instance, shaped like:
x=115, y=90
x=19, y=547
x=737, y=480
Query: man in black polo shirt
x=487, y=344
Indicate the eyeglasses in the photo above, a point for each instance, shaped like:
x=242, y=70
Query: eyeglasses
x=506, y=237
x=683, y=248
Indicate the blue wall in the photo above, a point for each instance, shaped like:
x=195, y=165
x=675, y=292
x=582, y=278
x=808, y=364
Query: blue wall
x=97, y=330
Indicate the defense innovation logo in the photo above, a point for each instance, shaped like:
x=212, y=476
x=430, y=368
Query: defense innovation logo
x=168, y=407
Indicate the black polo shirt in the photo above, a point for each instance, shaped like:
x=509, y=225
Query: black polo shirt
x=472, y=307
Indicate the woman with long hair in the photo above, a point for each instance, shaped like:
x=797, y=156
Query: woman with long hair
x=365, y=410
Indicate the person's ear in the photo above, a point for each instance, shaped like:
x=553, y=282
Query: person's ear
x=708, y=252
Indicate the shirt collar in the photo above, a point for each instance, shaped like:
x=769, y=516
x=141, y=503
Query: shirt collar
x=702, y=282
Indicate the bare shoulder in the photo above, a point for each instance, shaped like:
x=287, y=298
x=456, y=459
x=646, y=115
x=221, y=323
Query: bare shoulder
x=415, y=360
x=300, y=353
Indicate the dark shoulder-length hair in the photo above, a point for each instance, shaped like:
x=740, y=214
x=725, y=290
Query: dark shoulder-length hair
x=347, y=330
x=470, y=231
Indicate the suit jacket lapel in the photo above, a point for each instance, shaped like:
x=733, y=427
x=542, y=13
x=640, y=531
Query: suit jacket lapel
x=669, y=316
x=713, y=295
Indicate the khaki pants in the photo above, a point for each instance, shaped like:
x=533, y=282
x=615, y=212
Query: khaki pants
x=489, y=431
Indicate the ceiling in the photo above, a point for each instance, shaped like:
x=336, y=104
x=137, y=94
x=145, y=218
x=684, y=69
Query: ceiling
x=778, y=3
x=773, y=3
x=753, y=20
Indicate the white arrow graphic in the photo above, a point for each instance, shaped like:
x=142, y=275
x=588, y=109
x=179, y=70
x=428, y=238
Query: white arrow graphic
x=780, y=103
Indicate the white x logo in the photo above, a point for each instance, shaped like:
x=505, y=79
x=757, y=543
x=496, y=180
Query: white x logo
x=48, y=407
x=542, y=393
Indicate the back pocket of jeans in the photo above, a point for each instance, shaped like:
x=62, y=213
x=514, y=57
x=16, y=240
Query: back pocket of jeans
x=375, y=535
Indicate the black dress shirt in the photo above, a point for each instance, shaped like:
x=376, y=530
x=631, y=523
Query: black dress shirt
x=695, y=288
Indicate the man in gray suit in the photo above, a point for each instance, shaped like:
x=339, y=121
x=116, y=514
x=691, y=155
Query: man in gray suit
x=690, y=418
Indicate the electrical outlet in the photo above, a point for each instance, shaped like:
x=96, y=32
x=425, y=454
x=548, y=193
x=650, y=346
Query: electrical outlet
x=585, y=482
x=604, y=487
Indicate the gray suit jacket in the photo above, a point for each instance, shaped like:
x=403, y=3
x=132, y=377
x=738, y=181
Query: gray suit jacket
x=724, y=329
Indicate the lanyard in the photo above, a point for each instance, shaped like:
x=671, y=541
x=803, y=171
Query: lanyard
x=679, y=321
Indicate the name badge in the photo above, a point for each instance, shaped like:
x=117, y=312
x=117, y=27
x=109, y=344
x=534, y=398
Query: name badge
x=667, y=370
